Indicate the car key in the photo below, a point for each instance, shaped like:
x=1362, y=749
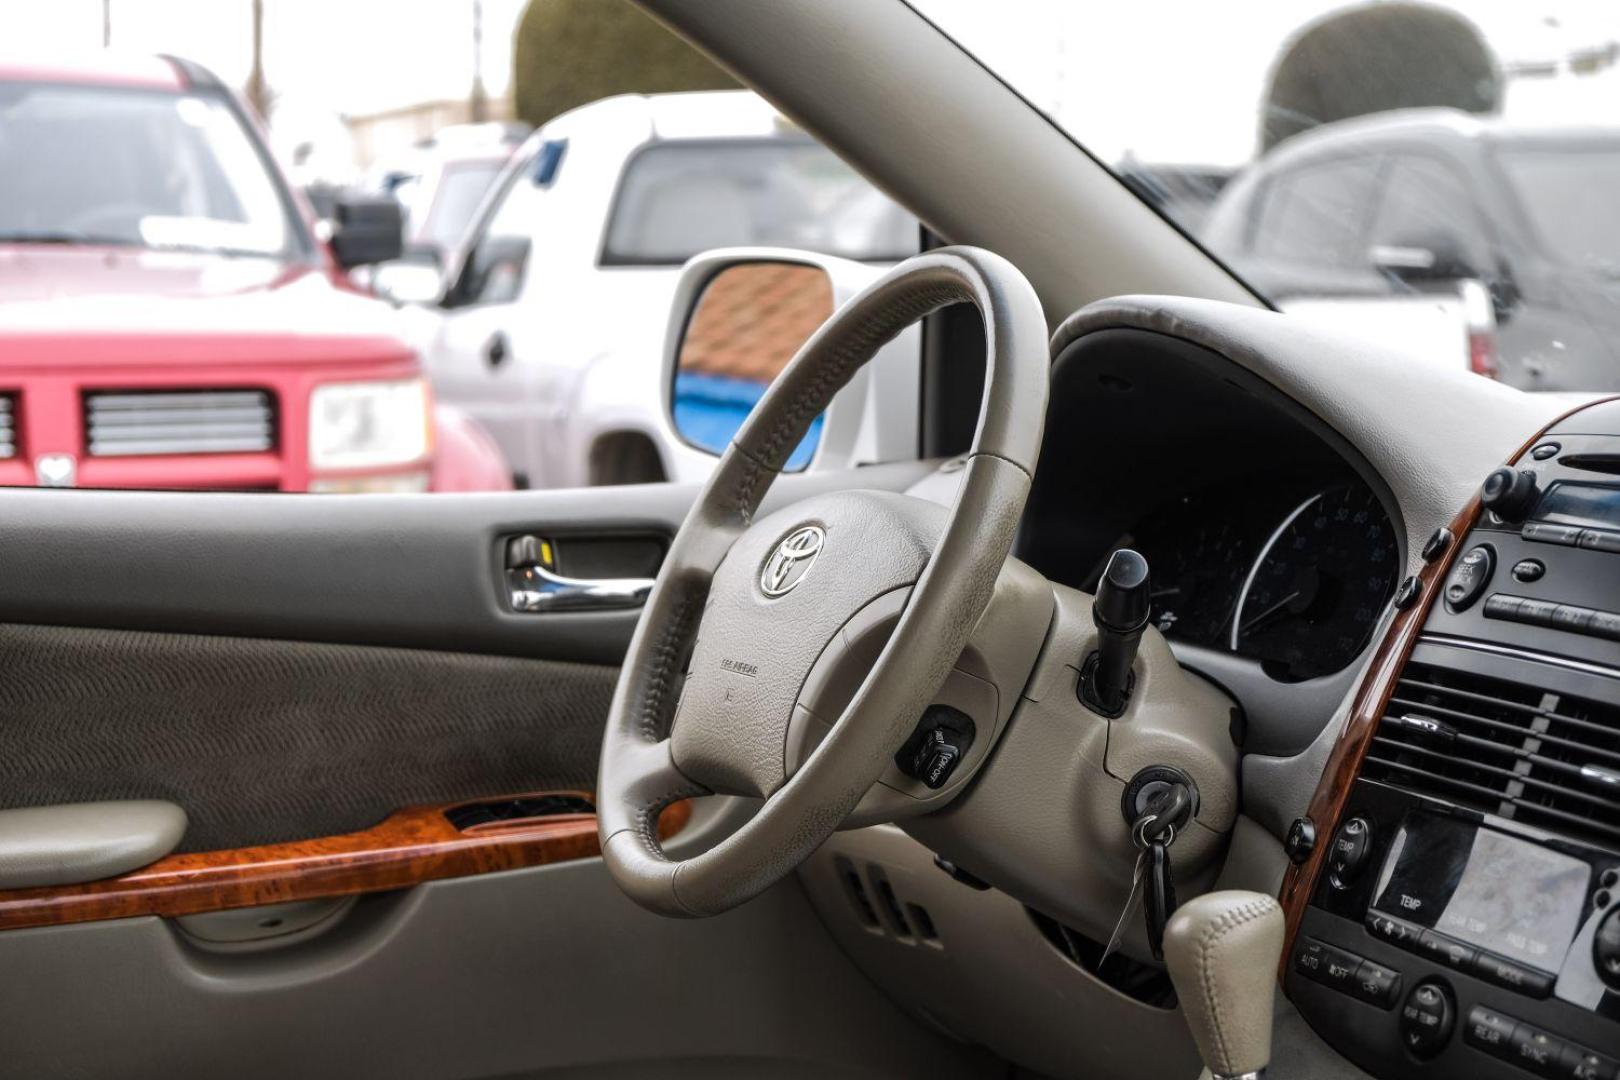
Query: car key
x=1154, y=832
x=1159, y=901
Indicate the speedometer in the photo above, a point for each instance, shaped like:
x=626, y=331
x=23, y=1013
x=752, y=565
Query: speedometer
x=1312, y=597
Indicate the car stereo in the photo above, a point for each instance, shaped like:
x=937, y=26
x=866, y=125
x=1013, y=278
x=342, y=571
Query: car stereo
x=1465, y=921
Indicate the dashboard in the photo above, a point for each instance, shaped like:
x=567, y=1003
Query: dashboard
x=1271, y=553
x=1290, y=573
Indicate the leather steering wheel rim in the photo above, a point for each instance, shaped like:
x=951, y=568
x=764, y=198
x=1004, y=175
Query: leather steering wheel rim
x=639, y=773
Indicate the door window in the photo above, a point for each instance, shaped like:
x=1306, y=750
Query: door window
x=498, y=262
x=1426, y=204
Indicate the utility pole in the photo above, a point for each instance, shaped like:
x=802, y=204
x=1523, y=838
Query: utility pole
x=478, y=100
x=106, y=24
x=258, y=92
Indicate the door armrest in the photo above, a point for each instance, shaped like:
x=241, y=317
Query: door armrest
x=64, y=845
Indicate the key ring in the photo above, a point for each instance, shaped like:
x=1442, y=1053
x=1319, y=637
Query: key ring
x=1139, y=834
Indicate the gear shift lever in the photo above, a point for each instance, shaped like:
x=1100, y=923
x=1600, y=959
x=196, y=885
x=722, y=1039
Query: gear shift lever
x=1120, y=611
x=1222, y=950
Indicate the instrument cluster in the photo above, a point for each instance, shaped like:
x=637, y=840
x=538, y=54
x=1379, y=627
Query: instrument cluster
x=1291, y=576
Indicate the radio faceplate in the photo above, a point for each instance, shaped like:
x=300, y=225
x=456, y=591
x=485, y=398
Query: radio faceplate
x=1471, y=934
x=1461, y=917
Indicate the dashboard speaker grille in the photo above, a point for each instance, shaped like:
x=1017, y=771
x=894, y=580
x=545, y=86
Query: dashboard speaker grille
x=121, y=424
x=1505, y=748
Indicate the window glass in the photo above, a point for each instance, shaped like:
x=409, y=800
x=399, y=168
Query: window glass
x=1319, y=213
x=1573, y=196
x=1499, y=120
x=679, y=198
x=455, y=199
x=131, y=168
x=499, y=259
x=1425, y=202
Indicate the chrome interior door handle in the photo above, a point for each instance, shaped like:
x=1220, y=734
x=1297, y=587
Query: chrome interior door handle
x=536, y=589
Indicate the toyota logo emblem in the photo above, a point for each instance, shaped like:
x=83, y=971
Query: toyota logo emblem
x=791, y=560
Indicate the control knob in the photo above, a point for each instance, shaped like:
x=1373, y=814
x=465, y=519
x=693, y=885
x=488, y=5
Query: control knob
x=1510, y=493
x=1606, y=949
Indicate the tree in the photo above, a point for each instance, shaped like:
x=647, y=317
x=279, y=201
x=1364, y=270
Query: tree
x=572, y=52
x=1375, y=57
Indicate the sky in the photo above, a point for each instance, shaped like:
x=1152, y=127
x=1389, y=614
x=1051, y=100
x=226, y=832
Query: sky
x=1182, y=80
x=349, y=56
x=1157, y=80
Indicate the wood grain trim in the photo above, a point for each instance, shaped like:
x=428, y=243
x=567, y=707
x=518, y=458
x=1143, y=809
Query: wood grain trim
x=409, y=847
x=1344, y=763
x=1377, y=686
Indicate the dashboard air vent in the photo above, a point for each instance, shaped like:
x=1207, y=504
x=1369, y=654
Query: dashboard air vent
x=8, y=426
x=1504, y=748
x=122, y=424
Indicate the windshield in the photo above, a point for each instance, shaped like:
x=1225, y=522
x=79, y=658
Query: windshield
x=1573, y=199
x=136, y=168
x=679, y=198
x=1338, y=156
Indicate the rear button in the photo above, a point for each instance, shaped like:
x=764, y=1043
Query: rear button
x=1490, y=1031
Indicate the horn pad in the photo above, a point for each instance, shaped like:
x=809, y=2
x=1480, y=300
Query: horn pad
x=780, y=597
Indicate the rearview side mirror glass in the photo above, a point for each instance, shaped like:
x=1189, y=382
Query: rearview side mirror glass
x=747, y=323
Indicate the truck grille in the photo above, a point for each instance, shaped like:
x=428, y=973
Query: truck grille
x=125, y=423
x=8, y=426
x=1505, y=748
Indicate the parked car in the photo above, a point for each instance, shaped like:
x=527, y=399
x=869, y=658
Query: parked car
x=1425, y=201
x=170, y=318
x=554, y=308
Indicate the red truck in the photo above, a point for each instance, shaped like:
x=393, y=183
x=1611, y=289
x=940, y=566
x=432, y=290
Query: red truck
x=172, y=315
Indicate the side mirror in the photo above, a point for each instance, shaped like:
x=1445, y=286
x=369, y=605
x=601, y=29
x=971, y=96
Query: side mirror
x=367, y=229
x=739, y=316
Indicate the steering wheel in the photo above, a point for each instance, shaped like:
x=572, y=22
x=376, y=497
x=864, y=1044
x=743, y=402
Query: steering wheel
x=756, y=602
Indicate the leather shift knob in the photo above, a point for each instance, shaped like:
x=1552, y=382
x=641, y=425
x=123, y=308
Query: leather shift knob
x=1222, y=950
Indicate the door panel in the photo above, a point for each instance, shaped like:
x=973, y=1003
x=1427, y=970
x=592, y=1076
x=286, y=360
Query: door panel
x=265, y=741
x=324, y=677
x=413, y=571
x=543, y=972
